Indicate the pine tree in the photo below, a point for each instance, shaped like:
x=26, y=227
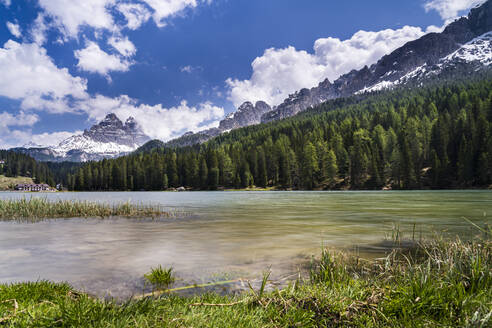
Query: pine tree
x=407, y=164
x=331, y=167
x=203, y=174
x=246, y=176
x=165, y=182
x=262, y=179
x=309, y=166
x=214, y=176
x=359, y=161
x=172, y=171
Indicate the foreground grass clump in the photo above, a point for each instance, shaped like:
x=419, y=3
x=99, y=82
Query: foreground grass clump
x=160, y=277
x=438, y=284
x=35, y=209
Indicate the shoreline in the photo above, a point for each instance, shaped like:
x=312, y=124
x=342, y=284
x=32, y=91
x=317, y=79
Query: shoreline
x=243, y=190
x=408, y=287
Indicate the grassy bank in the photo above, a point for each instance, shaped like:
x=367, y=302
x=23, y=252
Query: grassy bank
x=35, y=209
x=445, y=284
x=8, y=183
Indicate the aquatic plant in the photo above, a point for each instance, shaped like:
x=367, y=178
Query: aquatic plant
x=160, y=277
x=36, y=209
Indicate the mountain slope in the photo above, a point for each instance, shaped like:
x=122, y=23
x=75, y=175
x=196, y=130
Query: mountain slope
x=471, y=57
x=460, y=43
x=108, y=139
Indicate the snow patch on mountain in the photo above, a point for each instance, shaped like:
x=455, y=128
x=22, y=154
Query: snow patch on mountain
x=88, y=145
x=478, y=51
x=378, y=87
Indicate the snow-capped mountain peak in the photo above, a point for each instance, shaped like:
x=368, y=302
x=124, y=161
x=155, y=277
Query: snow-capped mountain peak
x=108, y=139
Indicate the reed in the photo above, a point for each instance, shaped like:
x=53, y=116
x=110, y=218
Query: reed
x=36, y=209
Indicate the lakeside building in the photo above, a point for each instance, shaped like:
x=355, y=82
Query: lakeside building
x=33, y=187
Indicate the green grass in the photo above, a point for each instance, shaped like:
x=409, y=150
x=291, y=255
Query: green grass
x=437, y=284
x=8, y=183
x=36, y=209
x=160, y=277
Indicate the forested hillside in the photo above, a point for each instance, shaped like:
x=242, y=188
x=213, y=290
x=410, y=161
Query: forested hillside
x=431, y=137
x=13, y=164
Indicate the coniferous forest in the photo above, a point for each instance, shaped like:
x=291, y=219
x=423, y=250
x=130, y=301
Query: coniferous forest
x=14, y=164
x=431, y=137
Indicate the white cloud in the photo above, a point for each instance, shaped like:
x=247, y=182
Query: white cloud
x=364, y=48
x=124, y=46
x=71, y=15
x=190, y=69
x=6, y=3
x=450, y=9
x=135, y=14
x=38, y=30
x=156, y=121
x=186, y=69
x=166, y=8
x=18, y=138
x=29, y=75
x=95, y=60
x=51, y=139
x=14, y=138
x=21, y=119
x=14, y=29
x=280, y=72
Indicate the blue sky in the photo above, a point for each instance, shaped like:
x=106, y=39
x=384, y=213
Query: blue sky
x=181, y=65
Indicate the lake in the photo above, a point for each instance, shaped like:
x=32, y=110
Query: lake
x=224, y=235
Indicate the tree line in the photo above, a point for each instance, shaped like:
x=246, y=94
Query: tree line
x=433, y=137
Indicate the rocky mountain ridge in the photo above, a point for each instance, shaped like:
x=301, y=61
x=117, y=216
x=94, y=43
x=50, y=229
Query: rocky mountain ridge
x=454, y=46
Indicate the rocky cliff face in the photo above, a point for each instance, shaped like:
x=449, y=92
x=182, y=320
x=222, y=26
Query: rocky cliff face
x=111, y=129
x=247, y=114
x=108, y=139
x=301, y=101
x=428, y=51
